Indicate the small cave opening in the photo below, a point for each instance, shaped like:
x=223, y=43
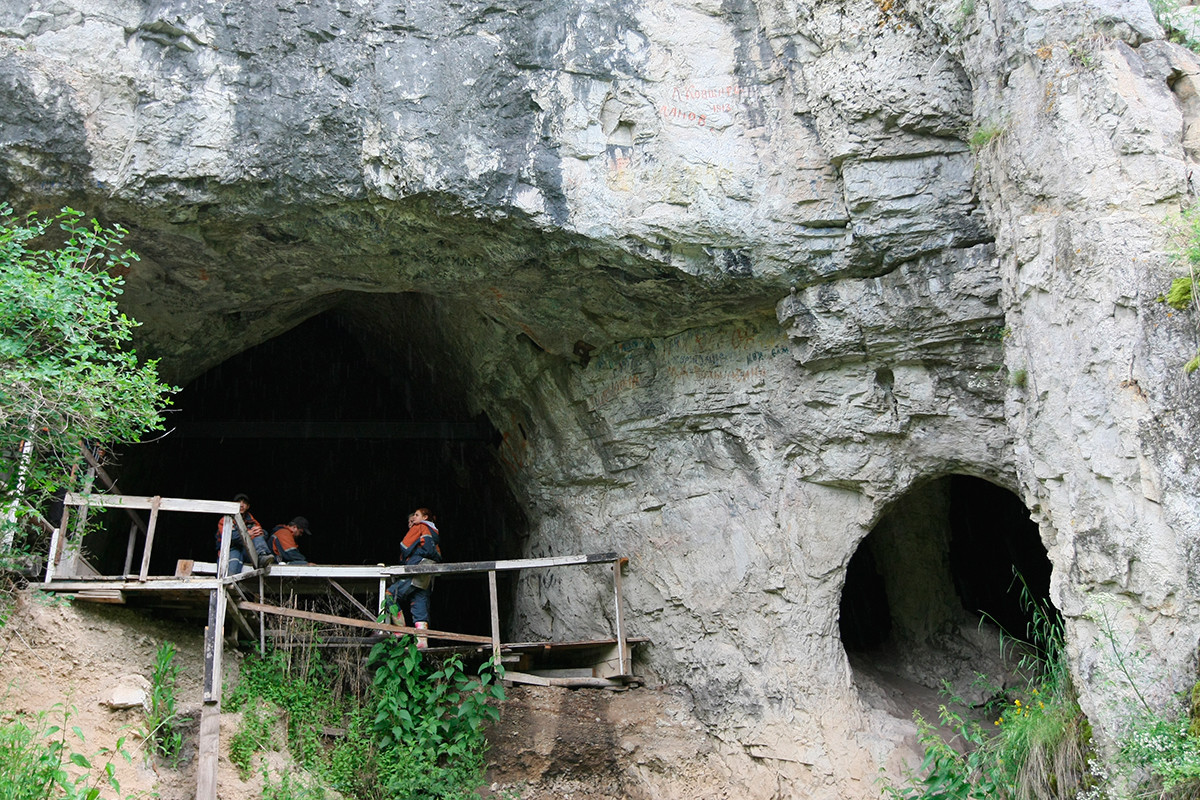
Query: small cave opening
x=955, y=558
x=352, y=419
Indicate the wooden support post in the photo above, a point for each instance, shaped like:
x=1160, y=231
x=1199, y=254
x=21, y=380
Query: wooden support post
x=382, y=594
x=209, y=751
x=494, y=602
x=56, y=544
x=52, y=556
x=262, y=622
x=226, y=543
x=209, y=746
x=214, y=645
x=133, y=529
x=145, y=571
x=622, y=657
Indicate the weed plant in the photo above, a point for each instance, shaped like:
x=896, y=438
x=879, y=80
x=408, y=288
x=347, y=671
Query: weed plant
x=416, y=731
x=1158, y=752
x=1038, y=743
x=41, y=757
x=162, y=722
x=1183, y=289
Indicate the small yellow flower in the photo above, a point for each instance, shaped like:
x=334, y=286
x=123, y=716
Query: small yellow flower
x=1018, y=703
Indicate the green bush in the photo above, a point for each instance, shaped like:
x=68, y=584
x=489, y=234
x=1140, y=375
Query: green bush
x=67, y=372
x=1039, y=743
x=418, y=732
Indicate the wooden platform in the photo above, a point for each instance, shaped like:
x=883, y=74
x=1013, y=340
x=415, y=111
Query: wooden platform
x=236, y=603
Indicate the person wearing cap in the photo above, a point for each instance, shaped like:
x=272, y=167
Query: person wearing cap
x=237, y=547
x=283, y=541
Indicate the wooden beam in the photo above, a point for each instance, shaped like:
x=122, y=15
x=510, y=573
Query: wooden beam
x=619, y=621
x=153, y=584
x=214, y=646
x=366, y=612
x=149, y=546
x=232, y=609
x=358, y=623
x=494, y=604
x=247, y=542
x=433, y=568
x=215, y=507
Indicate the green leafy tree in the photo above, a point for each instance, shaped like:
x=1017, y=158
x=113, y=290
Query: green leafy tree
x=67, y=371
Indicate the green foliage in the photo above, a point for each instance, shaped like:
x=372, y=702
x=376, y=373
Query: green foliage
x=162, y=733
x=67, y=373
x=254, y=735
x=984, y=135
x=417, y=733
x=1180, y=23
x=1039, y=743
x=291, y=788
x=1183, y=289
x=1158, y=753
x=39, y=759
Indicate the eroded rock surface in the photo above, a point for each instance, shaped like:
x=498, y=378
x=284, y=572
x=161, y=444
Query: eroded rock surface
x=728, y=278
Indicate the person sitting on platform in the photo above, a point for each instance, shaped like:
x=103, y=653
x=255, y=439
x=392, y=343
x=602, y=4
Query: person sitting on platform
x=421, y=543
x=237, y=547
x=283, y=541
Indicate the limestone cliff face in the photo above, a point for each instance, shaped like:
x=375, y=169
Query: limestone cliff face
x=797, y=289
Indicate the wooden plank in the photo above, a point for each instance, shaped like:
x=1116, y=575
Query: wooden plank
x=223, y=547
x=433, y=568
x=149, y=546
x=619, y=620
x=358, y=623
x=366, y=612
x=570, y=683
x=209, y=751
x=214, y=507
x=51, y=560
x=214, y=634
x=184, y=567
x=151, y=585
x=494, y=603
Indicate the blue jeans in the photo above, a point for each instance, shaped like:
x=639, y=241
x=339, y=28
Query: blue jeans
x=237, y=553
x=294, y=556
x=404, y=593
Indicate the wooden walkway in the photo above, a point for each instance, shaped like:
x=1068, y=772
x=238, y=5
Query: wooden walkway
x=238, y=602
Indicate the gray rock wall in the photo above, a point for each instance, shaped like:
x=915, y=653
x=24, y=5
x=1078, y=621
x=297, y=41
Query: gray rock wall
x=802, y=292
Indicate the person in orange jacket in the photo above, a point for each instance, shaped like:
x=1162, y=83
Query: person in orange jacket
x=283, y=541
x=421, y=543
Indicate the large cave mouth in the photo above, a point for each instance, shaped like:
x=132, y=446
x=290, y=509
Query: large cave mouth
x=352, y=419
x=955, y=557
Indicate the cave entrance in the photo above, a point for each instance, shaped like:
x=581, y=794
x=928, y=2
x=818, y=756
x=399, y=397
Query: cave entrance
x=939, y=577
x=351, y=419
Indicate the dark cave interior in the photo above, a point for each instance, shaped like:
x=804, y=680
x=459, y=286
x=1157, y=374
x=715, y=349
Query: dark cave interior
x=313, y=423
x=984, y=539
